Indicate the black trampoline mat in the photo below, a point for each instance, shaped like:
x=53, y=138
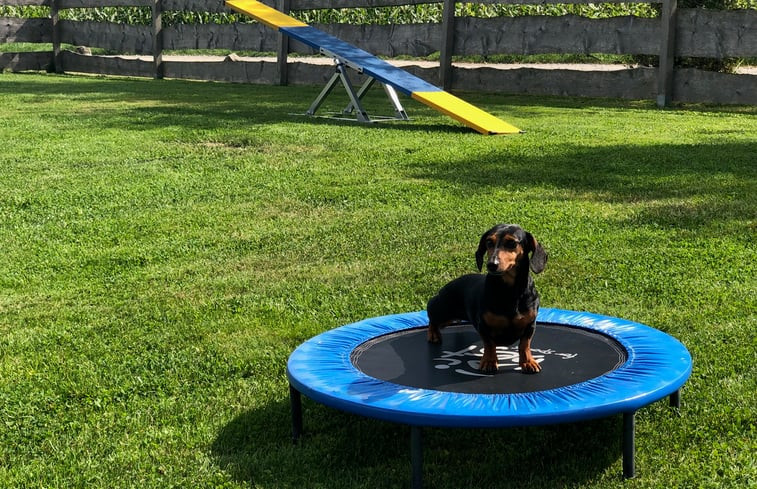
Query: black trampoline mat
x=567, y=354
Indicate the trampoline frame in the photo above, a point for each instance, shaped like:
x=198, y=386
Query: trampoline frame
x=657, y=367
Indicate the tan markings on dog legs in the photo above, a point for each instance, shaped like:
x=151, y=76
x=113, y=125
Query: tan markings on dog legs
x=525, y=359
x=489, y=360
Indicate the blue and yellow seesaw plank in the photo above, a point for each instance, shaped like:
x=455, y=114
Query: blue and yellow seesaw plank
x=399, y=79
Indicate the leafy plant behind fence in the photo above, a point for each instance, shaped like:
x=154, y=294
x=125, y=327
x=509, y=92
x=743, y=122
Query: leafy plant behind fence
x=405, y=14
x=412, y=14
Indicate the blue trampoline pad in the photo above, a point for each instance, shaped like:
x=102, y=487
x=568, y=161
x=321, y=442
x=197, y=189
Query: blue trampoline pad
x=593, y=366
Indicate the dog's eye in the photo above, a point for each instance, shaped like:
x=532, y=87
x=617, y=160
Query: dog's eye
x=490, y=244
x=510, y=244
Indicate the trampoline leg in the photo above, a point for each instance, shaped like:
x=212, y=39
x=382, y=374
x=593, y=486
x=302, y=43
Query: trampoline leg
x=416, y=456
x=675, y=399
x=295, y=399
x=629, y=444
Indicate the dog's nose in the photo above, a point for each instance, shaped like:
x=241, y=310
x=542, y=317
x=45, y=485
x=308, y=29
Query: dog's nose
x=492, y=266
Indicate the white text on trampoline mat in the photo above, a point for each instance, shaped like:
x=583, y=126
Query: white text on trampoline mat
x=466, y=361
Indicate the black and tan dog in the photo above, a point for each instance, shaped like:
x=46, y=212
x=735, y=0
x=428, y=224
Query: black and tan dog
x=502, y=304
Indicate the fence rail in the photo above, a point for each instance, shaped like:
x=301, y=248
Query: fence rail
x=675, y=33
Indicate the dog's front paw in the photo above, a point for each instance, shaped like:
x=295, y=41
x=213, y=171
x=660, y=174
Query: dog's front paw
x=433, y=335
x=530, y=366
x=488, y=363
x=488, y=366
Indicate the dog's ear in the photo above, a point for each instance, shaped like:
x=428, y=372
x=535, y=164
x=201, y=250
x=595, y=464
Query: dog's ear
x=482, y=248
x=538, y=255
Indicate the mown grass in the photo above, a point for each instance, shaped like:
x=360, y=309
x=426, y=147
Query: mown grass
x=166, y=244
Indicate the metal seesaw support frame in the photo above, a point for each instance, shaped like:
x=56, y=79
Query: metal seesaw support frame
x=355, y=105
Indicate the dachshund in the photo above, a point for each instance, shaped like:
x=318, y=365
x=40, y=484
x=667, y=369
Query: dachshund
x=502, y=305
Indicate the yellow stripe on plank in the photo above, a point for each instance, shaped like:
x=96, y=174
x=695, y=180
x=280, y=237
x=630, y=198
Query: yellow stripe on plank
x=462, y=111
x=265, y=14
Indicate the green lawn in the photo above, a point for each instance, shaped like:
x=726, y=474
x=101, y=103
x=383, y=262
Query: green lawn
x=164, y=246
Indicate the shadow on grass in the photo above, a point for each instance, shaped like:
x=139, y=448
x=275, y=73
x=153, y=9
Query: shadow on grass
x=687, y=186
x=210, y=104
x=117, y=87
x=205, y=105
x=343, y=450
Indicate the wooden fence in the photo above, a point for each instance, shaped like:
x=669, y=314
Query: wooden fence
x=675, y=33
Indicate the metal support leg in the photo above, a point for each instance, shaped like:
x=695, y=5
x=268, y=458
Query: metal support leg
x=355, y=104
x=324, y=93
x=295, y=399
x=361, y=114
x=360, y=94
x=629, y=444
x=340, y=76
x=399, y=112
x=416, y=456
x=675, y=399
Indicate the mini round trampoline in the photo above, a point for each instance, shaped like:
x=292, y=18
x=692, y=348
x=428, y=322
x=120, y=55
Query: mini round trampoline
x=592, y=366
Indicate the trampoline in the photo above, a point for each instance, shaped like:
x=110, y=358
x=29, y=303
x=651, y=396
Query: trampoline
x=593, y=366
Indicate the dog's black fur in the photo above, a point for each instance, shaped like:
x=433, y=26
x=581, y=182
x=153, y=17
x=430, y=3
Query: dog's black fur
x=502, y=305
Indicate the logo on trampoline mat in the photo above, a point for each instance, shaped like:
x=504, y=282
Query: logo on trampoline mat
x=466, y=361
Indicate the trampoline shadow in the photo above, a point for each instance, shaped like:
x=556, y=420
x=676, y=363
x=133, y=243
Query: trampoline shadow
x=237, y=444
x=256, y=448
x=340, y=448
x=531, y=456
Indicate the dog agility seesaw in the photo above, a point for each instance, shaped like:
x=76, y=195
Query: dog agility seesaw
x=391, y=77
